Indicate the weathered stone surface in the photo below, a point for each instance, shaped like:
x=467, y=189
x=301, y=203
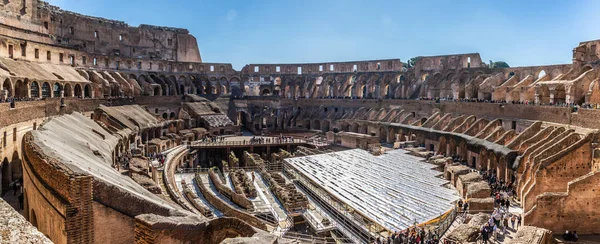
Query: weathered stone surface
x=15, y=229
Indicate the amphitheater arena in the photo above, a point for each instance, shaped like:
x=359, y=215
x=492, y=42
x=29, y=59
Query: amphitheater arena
x=118, y=134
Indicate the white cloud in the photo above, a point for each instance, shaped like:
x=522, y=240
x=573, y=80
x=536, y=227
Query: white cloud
x=231, y=15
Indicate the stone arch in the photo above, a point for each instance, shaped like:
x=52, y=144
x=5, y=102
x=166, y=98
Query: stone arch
x=46, y=90
x=391, y=135
x=68, y=90
x=482, y=161
x=543, y=94
x=462, y=150
x=316, y=125
x=56, y=89
x=7, y=85
x=560, y=95
x=382, y=134
x=15, y=165
x=87, y=91
x=157, y=91
x=21, y=89
x=364, y=129
x=34, y=89
x=325, y=125
x=265, y=92
x=6, y=175
x=77, y=90
x=442, y=148
x=451, y=147
x=493, y=161
x=540, y=73
x=355, y=127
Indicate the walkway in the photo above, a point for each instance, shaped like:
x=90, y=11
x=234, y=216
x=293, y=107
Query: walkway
x=271, y=201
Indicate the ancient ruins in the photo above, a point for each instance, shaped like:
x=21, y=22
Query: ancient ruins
x=112, y=133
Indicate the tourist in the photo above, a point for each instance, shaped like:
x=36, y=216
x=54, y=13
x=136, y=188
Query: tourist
x=512, y=221
x=518, y=221
x=16, y=186
x=567, y=236
x=466, y=207
x=485, y=233
x=575, y=237
x=21, y=201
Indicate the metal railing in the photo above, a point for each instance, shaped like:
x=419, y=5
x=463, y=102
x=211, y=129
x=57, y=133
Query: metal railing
x=273, y=141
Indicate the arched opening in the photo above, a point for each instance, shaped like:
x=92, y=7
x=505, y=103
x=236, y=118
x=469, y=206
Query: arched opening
x=78, y=91
x=363, y=129
x=382, y=135
x=35, y=89
x=57, y=88
x=15, y=164
x=172, y=115
x=46, y=91
x=364, y=91
x=388, y=93
x=7, y=87
x=442, y=146
x=68, y=90
x=213, y=90
x=482, y=161
x=307, y=124
x=560, y=95
x=544, y=94
x=6, y=176
x=354, y=128
x=391, y=135
x=265, y=92
x=317, y=125
x=325, y=125
x=21, y=89
x=156, y=91
x=224, y=89
x=165, y=116
x=493, y=162
x=541, y=74
x=87, y=91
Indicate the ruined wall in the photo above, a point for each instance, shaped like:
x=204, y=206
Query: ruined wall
x=324, y=68
x=49, y=24
x=576, y=209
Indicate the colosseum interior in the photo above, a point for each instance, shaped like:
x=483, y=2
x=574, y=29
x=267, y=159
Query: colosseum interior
x=112, y=133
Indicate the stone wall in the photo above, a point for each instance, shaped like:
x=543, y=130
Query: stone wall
x=226, y=209
x=49, y=185
x=576, y=208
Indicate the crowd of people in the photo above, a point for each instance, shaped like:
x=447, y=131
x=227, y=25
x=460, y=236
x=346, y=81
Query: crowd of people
x=122, y=160
x=212, y=139
x=414, y=235
x=498, y=224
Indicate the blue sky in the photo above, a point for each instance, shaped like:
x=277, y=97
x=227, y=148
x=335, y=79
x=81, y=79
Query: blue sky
x=522, y=33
